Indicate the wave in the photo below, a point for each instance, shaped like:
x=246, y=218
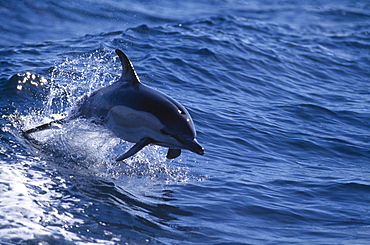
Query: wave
x=281, y=104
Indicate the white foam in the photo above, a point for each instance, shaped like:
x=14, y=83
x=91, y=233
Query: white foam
x=25, y=213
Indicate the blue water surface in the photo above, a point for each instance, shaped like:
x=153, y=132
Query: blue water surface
x=279, y=92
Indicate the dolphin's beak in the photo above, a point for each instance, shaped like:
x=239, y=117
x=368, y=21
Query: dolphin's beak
x=193, y=146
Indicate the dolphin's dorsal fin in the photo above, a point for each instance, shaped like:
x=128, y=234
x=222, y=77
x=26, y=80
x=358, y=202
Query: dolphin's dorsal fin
x=128, y=72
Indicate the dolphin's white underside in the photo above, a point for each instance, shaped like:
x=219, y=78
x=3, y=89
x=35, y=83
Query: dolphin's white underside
x=133, y=125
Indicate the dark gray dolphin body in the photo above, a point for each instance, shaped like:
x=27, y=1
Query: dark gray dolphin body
x=139, y=114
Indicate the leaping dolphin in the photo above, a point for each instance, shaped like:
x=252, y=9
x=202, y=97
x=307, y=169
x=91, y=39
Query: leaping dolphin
x=138, y=114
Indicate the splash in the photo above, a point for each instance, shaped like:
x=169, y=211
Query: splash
x=80, y=144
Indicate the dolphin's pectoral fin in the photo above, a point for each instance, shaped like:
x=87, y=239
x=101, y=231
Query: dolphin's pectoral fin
x=137, y=147
x=173, y=153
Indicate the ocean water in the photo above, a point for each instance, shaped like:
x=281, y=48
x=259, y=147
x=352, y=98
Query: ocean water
x=279, y=92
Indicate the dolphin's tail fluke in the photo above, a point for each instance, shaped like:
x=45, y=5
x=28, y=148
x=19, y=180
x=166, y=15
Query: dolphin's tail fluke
x=43, y=127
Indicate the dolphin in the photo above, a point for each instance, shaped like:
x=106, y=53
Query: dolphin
x=138, y=114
